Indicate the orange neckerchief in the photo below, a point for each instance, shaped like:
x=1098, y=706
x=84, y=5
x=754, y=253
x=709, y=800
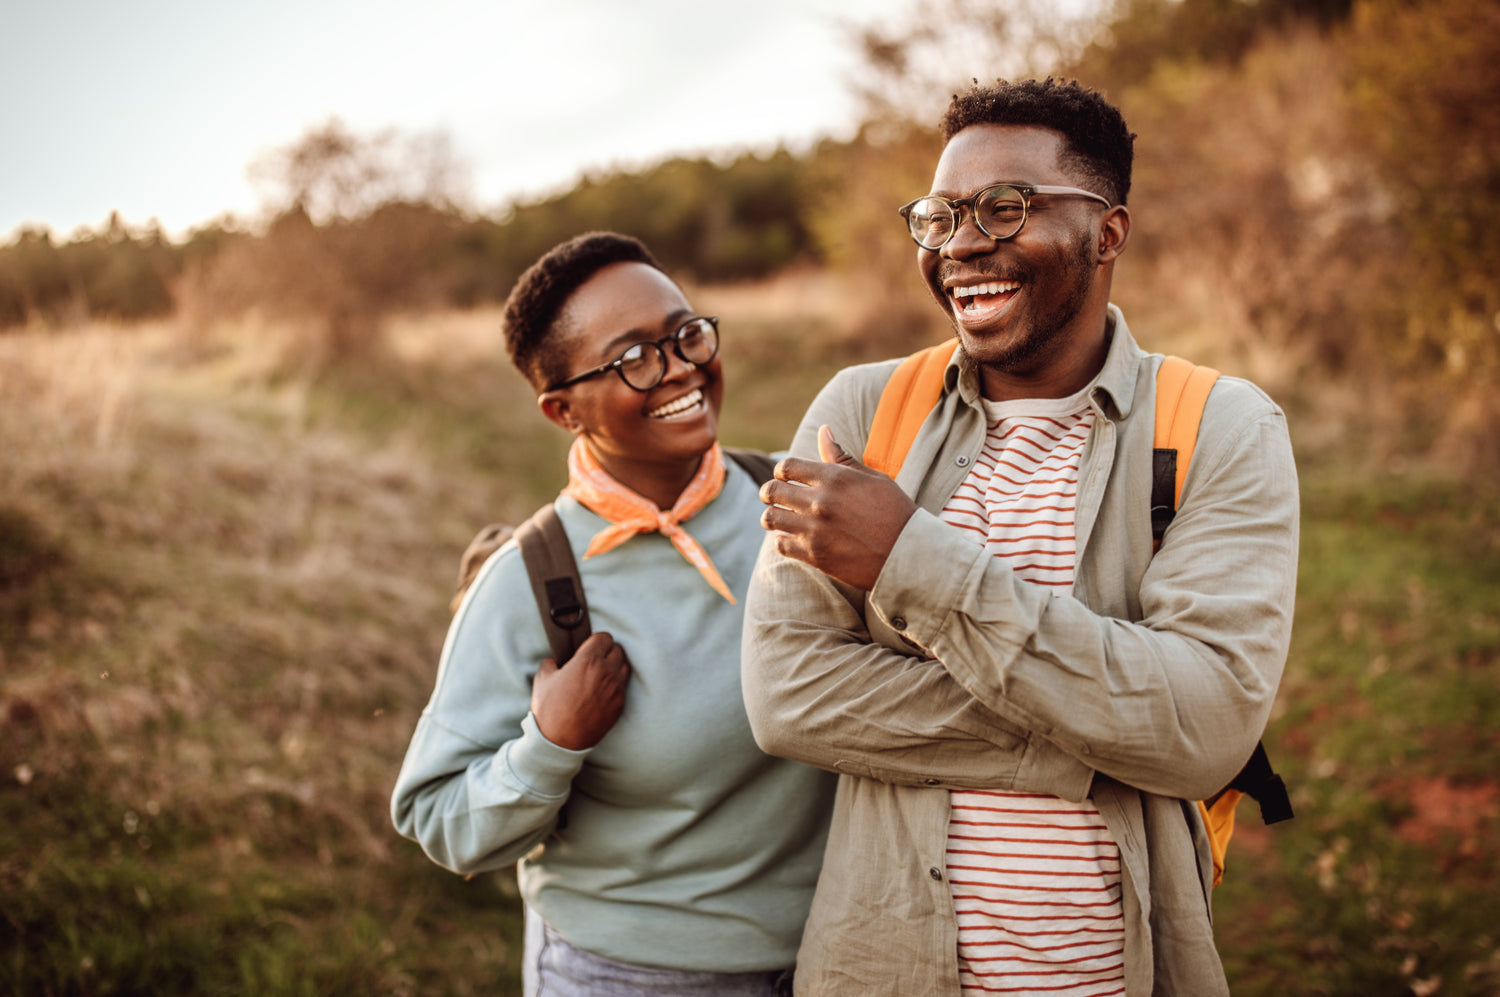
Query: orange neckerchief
x=630, y=513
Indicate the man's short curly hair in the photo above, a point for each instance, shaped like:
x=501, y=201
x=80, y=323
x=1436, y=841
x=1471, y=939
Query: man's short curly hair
x=538, y=297
x=1097, y=142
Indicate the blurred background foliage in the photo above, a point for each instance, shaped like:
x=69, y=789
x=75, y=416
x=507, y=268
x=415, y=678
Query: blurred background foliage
x=239, y=467
x=1317, y=178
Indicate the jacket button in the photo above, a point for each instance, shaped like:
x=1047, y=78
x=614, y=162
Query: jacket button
x=899, y=622
x=935, y=873
x=962, y=460
x=933, y=782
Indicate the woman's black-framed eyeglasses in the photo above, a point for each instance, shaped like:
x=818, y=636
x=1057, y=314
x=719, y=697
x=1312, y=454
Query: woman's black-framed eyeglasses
x=999, y=210
x=643, y=365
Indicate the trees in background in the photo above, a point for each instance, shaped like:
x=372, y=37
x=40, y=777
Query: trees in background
x=1140, y=35
x=115, y=273
x=1318, y=181
x=1423, y=78
x=1333, y=180
x=1316, y=191
x=360, y=227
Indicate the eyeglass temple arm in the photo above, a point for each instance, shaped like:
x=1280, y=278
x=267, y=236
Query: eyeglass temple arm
x=1078, y=191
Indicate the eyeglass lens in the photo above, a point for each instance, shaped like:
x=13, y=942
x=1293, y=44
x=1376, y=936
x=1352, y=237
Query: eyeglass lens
x=643, y=365
x=1000, y=212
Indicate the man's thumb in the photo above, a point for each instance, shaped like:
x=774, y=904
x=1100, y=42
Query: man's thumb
x=829, y=450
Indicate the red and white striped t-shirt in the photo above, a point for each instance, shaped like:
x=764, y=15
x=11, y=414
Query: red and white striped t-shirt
x=1035, y=879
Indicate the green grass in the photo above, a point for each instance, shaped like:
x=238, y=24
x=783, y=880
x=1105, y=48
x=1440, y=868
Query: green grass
x=1387, y=732
x=219, y=621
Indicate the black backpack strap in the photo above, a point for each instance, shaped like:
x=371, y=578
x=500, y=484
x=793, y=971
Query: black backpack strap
x=1257, y=781
x=1163, y=492
x=554, y=582
x=757, y=463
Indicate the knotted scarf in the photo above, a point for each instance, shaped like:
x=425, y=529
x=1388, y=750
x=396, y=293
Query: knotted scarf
x=630, y=513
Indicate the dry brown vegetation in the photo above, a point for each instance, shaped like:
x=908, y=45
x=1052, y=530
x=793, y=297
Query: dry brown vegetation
x=228, y=608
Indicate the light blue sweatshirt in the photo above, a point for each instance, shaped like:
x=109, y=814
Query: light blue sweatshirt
x=683, y=846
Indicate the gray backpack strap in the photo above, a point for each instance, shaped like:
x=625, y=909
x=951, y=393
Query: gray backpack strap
x=554, y=582
x=757, y=463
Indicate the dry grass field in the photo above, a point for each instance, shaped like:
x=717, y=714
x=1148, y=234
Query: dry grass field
x=224, y=582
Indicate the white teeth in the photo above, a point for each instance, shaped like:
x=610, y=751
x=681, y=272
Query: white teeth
x=993, y=287
x=682, y=404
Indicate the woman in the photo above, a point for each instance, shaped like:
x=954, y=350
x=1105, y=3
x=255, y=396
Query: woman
x=660, y=850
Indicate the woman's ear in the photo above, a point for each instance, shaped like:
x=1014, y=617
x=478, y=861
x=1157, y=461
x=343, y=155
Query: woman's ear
x=558, y=408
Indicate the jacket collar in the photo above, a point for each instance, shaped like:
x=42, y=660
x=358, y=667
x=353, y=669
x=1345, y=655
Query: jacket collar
x=1114, y=389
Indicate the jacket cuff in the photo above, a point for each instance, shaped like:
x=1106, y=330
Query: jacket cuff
x=920, y=585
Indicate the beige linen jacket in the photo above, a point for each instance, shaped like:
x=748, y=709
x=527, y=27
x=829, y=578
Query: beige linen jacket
x=1146, y=688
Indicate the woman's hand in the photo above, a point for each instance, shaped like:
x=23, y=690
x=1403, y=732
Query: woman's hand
x=576, y=706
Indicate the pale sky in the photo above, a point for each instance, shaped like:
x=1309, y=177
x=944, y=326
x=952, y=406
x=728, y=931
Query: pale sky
x=156, y=108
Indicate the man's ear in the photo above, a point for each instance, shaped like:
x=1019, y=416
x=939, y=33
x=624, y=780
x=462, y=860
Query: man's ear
x=557, y=407
x=1114, y=233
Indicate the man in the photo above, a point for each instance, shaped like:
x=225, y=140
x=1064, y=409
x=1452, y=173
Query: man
x=1021, y=700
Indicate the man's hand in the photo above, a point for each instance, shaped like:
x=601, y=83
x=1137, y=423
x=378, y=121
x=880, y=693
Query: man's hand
x=837, y=515
x=576, y=706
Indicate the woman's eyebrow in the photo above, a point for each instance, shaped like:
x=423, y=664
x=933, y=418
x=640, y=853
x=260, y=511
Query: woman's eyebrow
x=674, y=319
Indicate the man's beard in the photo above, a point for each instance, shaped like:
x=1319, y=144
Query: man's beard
x=1042, y=339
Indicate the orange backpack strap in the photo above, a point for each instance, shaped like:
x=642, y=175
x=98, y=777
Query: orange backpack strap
x=911, y=393
x=1218, y=821
x=1181, y=393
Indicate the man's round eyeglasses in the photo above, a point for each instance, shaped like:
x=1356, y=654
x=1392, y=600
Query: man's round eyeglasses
x=643, y=365
x=999, y=211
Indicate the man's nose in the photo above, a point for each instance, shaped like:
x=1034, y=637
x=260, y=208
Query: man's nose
x=968, y=238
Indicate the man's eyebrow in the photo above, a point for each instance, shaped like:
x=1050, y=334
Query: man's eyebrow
x=951, y=195
x=984, y=186
x=674, y=319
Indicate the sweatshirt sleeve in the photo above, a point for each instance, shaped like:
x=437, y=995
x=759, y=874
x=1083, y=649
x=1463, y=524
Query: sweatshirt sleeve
x=819, y=690
x=480, y=785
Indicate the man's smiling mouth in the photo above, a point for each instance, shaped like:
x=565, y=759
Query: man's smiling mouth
x=973, y=299
x=678, y=405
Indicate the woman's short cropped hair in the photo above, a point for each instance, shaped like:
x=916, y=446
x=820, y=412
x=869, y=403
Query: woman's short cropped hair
x=537, y=299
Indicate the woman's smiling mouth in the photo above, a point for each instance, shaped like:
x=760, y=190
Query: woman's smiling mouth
x=677, y=406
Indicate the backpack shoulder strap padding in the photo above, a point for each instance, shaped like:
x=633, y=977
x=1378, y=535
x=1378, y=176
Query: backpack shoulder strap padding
x=1181, y=393
x=909, y=396
x=554, y=582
